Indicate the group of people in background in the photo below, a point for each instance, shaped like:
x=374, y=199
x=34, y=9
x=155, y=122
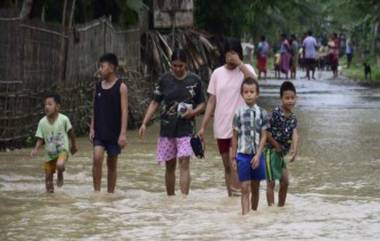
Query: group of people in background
x=308, y=53
x=251, y=143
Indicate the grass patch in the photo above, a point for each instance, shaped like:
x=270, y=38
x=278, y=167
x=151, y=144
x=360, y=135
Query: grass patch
x=356, y=71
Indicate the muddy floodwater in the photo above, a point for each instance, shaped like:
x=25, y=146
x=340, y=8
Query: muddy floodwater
x=334, y=191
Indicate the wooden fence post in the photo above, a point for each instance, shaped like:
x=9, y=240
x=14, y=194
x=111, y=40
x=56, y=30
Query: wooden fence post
x=63, y=44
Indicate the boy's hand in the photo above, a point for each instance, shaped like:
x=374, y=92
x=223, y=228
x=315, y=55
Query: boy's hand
x=91, y=135
x=278, y=148
x=293, y=156
x=255, y=162
x=233, y=164
x=122, y=140
x=33, y=152
x=142, y=131
x=233, y=161
x=73, y=149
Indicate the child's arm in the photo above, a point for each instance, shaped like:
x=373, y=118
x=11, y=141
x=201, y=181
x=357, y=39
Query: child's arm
x=124, y=115
x=234, y=141
x=192, y=113
x=91, y=135
x=295, y=145
x=273, y=142
x=153, y=106
x=39, y=143
x=255, y=162
x=92, y=130
x=73, y=148
x=210, y=108
x=247, y=73
x=243, y=68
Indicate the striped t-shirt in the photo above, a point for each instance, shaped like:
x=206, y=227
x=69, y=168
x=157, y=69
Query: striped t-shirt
x=248, y=122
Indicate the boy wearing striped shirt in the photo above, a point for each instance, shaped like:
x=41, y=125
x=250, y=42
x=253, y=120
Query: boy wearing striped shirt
x=249, y=136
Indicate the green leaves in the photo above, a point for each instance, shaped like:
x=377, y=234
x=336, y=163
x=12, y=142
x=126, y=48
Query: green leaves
x=269, y=17
x=135, y=5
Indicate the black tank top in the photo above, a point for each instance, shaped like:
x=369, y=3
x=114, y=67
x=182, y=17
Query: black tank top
x=107, y=112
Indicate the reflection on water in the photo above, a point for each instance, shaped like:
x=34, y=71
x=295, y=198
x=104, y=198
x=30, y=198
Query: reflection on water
x=333, y=195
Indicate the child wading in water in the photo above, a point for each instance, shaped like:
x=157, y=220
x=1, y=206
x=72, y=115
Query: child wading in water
x=54, y=130
x=282, y=136
x=109, y=124
x=249, y=136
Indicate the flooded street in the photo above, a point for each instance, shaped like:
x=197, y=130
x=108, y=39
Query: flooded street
x=334, y=191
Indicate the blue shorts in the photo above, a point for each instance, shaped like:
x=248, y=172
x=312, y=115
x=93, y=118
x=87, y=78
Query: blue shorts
x=244, y=167
x=113, y=149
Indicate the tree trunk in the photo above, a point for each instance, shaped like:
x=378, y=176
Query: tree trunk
x=26, y=9
x=63, y=43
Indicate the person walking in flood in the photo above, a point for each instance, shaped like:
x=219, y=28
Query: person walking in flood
x=108, y=131
x=285, y=55
x=262, y=56
x=294, y=49
x=282, y=136
x=249, y=137
x=349, y=52
x=224, y=99
x=55, y=132
x=180, y=94
x=334, y=54
x=310, y=54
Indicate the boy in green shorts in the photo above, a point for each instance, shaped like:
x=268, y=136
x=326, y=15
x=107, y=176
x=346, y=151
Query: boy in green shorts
x=54, y=131
x=282, y=137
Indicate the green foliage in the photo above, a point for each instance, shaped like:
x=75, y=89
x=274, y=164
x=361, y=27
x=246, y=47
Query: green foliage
x=255, y=18
x=356, y=71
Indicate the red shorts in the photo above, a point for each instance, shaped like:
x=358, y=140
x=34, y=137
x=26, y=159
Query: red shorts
x=224, y=145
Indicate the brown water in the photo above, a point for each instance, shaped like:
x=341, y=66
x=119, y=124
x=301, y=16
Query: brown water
x=334, y=192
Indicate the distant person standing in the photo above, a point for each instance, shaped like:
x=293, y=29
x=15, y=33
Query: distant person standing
x=342, y=44
x=262, y=56
x=310, y=54
x=349, y=52
x=294, y=48
x=334, y=54
x=285, y=55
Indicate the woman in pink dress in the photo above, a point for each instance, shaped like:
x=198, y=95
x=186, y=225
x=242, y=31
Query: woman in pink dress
x=224, y=99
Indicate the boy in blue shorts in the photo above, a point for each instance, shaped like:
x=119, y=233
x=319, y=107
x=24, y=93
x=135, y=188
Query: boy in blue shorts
x=249, y=137
x=108, y=131
x=55, y=132
x=282, y=139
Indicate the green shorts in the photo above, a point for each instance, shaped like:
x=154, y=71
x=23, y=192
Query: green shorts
x=274, y=164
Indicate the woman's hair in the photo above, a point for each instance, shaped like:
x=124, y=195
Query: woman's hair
x=179, y=54
x=233, y=44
